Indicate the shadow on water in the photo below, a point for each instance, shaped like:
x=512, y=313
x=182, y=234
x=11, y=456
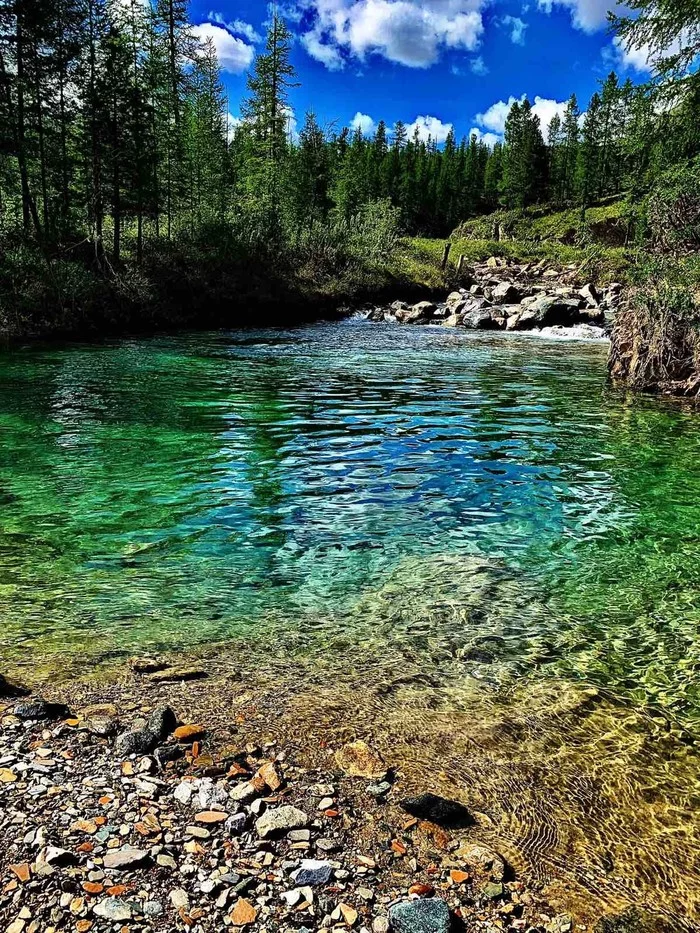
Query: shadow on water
x=466, y=548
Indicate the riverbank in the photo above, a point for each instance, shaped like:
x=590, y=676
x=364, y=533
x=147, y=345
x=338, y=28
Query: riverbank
x=157, y=801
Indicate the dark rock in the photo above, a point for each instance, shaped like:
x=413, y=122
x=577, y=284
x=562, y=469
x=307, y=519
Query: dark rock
x=8, y=689
x=420, y=916
x=40, y=709
x=420, y=313
x=376, y=315
x=137, y=742
x=434, y=809
x=480, y=320
x=506, y=294
x=168, y=753
x=162, y=721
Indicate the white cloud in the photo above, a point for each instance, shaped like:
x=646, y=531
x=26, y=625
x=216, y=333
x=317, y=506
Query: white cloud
x=495, y=117
x=429, y=128
x=479, y=67
x=291, y=126
x=517, y=28
x=234, y=54
x=489, y=138
x=236, y=26
x=410, y=32
x=641, y=58
x=364, y=123
x=589, y=15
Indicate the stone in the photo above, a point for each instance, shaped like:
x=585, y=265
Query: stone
x=10, y=689
x=125, y=858
x=434, y=809
x=243, y=913
x=113, y=908
x=420, y=916
x=420, y=313
x=180, y=899
x=209, y=817
x=183, y=792
x=136, y=742
x=452, y=320
x=189, y=733
x=589, y=293
x=40, y=710
x=244, y=792
x=349, y=914
x=313, y=873
x=483, y=860
x=506, y=293
x=380, y=925
x=493, y=890
x=174, y=675
x=147, y=665
x=280, y=819
x=480, y=319
x=162, y=721
x=270, y=776
x=376, y=315
x=357, y=759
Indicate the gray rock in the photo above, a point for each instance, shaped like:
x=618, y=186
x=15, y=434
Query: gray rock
x=420, y=916
x=113, y=908
x=125, y=858
x=40, y=710
x=137, y=742
x=280, y=819
x=312, y=873
x=590, y=294
x=481, y=319
x=506, y=294
x=162, y=721
x=379, y=790
x=376, y=315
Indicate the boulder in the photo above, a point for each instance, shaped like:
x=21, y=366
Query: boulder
x=397, y=306
x=589, y=293
x=591, y=315
x=453, y=320
x=40, y=710
x=506, y=293
x=376, y=315
x=480, y=319
x=420, y=313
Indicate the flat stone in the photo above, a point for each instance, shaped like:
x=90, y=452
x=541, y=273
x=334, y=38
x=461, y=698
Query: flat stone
x=313, y=873
x=113, y=908
x=189, y=733
x=482, y=860
x=439, y=810
x=125, y=858
x=178, y=674
x=280, y=819
x=357, y=759
x=243, y=913
x=420, y=916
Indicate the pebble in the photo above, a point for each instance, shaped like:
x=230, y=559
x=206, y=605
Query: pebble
x=113, y=908
x=420, y=916
x=313, y=873
x=125, y=858
x=280, y=819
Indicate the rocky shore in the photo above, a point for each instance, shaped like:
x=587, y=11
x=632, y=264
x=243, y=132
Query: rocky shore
x=134, y=817
x=498, y=296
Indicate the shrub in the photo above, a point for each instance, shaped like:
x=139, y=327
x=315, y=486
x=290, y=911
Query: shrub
x=673, y=209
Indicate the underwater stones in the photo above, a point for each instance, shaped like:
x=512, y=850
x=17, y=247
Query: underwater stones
x=178, y=674
x=39, y=709
x=9, y=689
x=420, y=916
x=280, y=819
x=482, y=860
x=439, y=810
x=357, y=759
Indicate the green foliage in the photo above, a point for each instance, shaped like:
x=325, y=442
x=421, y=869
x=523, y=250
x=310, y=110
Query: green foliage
x=673, y=209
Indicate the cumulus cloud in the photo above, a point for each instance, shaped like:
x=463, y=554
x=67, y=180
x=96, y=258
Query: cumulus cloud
x=364, y=123
x=495, y=117
x=409, y=32
x=641, y=58
x=589, y=15
x=489, y=138
x=233, y=53
x=517, y=28
x=236, y=26
x=479, y=67
x=429, y=128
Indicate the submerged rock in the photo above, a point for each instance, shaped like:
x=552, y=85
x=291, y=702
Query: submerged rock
x=40, y=709
x=357, y=759
x=439, y=810
x=420, y=916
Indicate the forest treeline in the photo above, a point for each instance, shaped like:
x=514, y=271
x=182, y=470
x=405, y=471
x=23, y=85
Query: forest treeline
x=118, y=158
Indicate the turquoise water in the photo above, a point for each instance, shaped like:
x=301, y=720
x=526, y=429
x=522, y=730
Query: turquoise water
x=437, y=533
x=157, y=493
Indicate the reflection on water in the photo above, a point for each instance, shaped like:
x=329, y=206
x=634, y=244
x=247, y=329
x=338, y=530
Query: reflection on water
x=466, y=522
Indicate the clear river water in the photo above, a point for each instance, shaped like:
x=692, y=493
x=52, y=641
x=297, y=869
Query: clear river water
x=469, y=543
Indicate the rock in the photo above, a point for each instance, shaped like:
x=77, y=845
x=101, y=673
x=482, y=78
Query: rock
x=313, y=873
x=481, y=319
x=452, y=320
x=189, y=733
x=376, y=315
x=397, y=306
x=125, y=858
x=167, y=753
x=113, y=908
x=420, y=916
x=243, y=913
x=180, y=899
x=454, y=298
x=175, y=675
x=482, y=860
x=447, y=813
x=162, y=721
x=136, y=742
x=420, y=313
x=506, y=293
x=493, y=890
x=280, y=819
x=357, y=759
x=379, y=790
x=40, y=710
x=8, y=689
x=244, y=792
x=147, y=665
x=380, y=925
x=183, y=792
x=577, y=332
x=590, y=294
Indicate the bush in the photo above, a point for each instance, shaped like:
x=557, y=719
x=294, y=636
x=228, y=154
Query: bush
x=673, y=209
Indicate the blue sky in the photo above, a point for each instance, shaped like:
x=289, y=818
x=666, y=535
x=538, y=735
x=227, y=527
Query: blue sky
x=431, y=63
